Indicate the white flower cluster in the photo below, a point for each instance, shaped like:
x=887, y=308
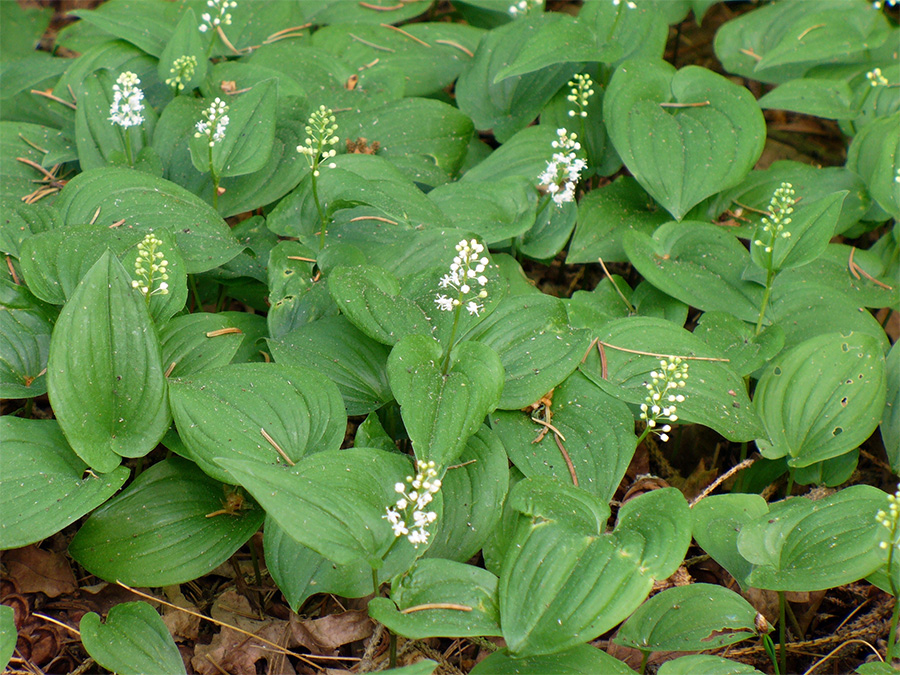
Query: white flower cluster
x=781, y=206
x=878, y=4
x=582, y=88
x=215, y=122
x=628, y=3
x=150, y=267
x=223, y=16
x=876, y=78
x=126, y=106
x=563, y=170
x=424, y=486
x=182, y=71
x=320, y=129
x=523, y=7
x=661, y=399
x=890, y=520
x=466, y=273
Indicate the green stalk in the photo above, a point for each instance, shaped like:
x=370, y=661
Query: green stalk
x=782, y=632
x=769, y=646
x=446, y=365
x=770, y=276
x=896, y=613
x=644, y=657
x=129, y=155
x=315, y=191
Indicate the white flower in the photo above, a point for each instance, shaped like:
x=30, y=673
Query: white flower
x=126, y=106
x=672, y=375
x=214, y=123
x=222, y=15
x=150, y=267
x=317, y=147
x=628, y=3
x=878, y=4
x=564, y=169
x=890, y=521
x=524, y=7
x=876, y=78
x=465, y=277
x=424, y=489
x=781, y=206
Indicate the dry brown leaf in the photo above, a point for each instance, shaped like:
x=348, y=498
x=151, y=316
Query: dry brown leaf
x=39, y=571
x=325, y=635
x=181, y=625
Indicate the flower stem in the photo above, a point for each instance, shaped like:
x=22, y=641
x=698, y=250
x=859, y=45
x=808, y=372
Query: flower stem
x=782, y=633
x=129, y=155
x=446, y=365
x=770, y=276
x=892, y=636
x=315, y=191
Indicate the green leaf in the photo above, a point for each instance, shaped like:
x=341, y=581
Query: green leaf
x=22, y=29
x=333, y=501
x=830, y=99
x=423, y=667
x=105, y=375
x=149, y=203
x=146, y=24
x=8, y=634
x=25, y=328
x=524, y=155
x=829, y=472
x=195, y=342
x=22, y=221
x=440, y=411
x=811, y=226
x=559, y=587
x=428, y=152
x=718, y=520
x=707, y=664
x=474, y=490
x=247, y=144
x=536, y=345
x=576, y=661
x=822, y=398
x=698, y=263
x=43, y=486
x=185, y=41
x=546, y=499
x=806, y=545
x=494, y=210
x=890, y=419
x=156, y=532
x=470, y=592
x=16, y=178
x=689, y=618
x=597, y=435
x=605, y=214
x=352, y=360
x=736, y=341
x=233, y=412
x=370, y=297
x=133, y=640
x=715, y=394
x=509, y=105
x=684, y=135
x=874, y=154
x=550, y=233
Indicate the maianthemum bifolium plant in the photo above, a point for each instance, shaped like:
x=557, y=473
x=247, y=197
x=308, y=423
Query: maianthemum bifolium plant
x=265, y=261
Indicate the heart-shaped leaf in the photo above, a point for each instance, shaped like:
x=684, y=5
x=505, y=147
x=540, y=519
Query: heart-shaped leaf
x=440, y=598
x=105, y=375
x=685, y=134
x=195, y=342
x=265, y=412
x=171, y=525
x=822, y=398
x=43, y=486
x=494, y=210
x=689, y=618
x=333, y=502
x=441, y=410
x=133, y=640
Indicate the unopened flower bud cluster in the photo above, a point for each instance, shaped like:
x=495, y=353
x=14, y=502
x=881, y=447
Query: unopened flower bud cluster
x=320, y=140
x=662, y=395
x=523, y=7
x=564, y=169
x=423, y=486
x=467, y=277
x=889, y=519
x=150, y=267
x=876, y=78
x=220, y=15
x=126, y=106
x=214, y=123
x=781, y=207
x=182, y=71
x=581, y=88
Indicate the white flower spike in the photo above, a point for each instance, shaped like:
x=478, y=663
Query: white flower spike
x=781, y=206
x=150, y=267
x=126, y=107
x=466, y=277
x=320, y=140
x=220, y=16
x=523, y=7
x=214, y=123
x=581, y=88
x=564, y=169
x=662, y=395
x=424, y=486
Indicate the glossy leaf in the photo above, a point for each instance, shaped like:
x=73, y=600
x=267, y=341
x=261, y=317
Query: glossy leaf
x=8, y=634
x=105, y=375
x=822, y=398
x=265, y=412
x=890, y=419
x=440, y=411
x=718, y=520
x=495, y=210
x=133, y=640
x=159, y=530
x=25, y=328
x=737, y=342
x=195, y=342
x=575, y=661
x=44, y=485
x=706, y=663
x=185, y=41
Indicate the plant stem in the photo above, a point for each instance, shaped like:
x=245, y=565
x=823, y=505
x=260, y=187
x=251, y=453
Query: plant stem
x=446, y=365
x=782, y=632
x=215, y=180
x=129, y=155
x=644, y=657
x=896, y=613
x=192, y=282
x=644, y=434
x=770, y=276
x=393, y=647
x=375, y=581
x=315, y=191
x=769, y=646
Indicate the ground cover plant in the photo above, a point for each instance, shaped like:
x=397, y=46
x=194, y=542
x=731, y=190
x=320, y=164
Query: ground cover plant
x=450, y=336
